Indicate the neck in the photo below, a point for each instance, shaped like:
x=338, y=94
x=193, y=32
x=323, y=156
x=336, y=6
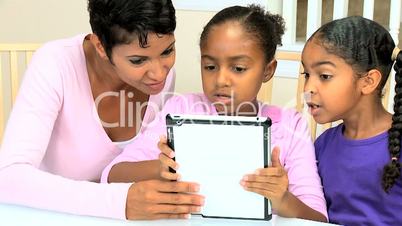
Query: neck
x=246, y=110
x=101, y=72
x=367, y=120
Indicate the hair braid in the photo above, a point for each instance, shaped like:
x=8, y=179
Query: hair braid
x=392, y=171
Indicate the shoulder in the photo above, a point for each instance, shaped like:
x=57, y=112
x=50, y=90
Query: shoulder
x=190, y=103
x=58, y=49
x=329, y=133
x=280, y=115
x=56, y=59
x=188, y=98
x=326, y=137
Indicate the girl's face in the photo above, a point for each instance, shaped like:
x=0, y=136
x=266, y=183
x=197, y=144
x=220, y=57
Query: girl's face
x=233, y=67
x=145, y=68
x=332, y=89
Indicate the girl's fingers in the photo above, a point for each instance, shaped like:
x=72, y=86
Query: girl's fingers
x=170, y=176
x=165, y=149
x=271, y=171
x=258, y=185
x=266, y=193
x=262, y=179
x=167, y=162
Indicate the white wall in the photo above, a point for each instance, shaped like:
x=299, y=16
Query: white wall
x=42, y=20
x=38, y=21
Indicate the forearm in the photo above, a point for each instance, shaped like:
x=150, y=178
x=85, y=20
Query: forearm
x=22, y=184
x=291, y=206
x=135, y=171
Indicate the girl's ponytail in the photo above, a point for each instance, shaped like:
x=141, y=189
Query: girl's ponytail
x=392, y=171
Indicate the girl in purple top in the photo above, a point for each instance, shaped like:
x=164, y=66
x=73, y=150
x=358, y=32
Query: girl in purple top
x=237, y=55
x=347, y=63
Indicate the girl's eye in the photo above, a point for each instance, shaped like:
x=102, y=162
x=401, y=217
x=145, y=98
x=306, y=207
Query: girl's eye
x=325, y=77
x=306, y=75
x=137, y=61
x=209, y=67
x=168, y=52
x=239, y=69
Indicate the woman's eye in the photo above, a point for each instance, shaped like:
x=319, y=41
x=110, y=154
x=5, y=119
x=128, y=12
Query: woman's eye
x=305, y=74
x=325, y=77
x=239, y=69
x=167, y=52
x=138, y=61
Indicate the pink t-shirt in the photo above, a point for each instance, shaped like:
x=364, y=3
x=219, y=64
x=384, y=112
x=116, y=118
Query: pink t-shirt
x=55, y=147
x=289, y=131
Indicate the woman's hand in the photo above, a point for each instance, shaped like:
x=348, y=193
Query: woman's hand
x=155, y=199
x=166, y=158
x=271, y=182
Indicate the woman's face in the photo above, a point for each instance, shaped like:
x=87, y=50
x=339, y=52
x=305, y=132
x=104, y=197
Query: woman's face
x=146, y=68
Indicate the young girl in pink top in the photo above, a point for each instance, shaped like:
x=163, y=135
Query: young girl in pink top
x=237, y=55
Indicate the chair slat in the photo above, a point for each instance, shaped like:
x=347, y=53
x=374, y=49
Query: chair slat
x=14, y=74
x=19, y=47
x=265, y=93
x=2, y=114
x=313, y=128
x=28, y=57
x=15, y=52
x=300, y=91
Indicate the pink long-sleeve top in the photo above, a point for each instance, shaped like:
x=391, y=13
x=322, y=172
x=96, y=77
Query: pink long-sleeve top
x=55, y=147
x=289, y=132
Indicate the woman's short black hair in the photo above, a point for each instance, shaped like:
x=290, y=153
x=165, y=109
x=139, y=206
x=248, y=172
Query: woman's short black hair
x=121, y=21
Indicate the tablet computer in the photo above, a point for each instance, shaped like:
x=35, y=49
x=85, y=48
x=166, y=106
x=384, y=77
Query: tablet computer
x=216, y=152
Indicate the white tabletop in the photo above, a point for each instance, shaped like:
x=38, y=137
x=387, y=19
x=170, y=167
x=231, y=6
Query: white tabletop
x=11, y=215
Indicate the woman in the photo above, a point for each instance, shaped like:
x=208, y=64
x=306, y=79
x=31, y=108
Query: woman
x=75, y=112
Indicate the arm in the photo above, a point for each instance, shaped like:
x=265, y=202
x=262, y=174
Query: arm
x=152, y=199
x=139, y=160
x=300, y=165
x=135, y=171
x=272, y=182
x=291, y=182
x=25, y=144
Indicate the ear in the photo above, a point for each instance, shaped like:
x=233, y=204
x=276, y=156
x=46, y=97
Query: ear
x=269, y=70
x=371, y=81
x=98, y=46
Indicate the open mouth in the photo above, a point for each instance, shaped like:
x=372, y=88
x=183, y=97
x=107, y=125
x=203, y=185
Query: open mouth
x=157, y=85
x=223, y=98
x=219, y=95
x=313, y=106
x=314, y=109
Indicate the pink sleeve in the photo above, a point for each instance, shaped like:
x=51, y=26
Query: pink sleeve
x=145, y=145
x=25, y=143
x=300, y=162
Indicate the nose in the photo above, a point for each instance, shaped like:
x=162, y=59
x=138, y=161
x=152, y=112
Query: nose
x=223, y=78
x=157, y=71
x=309, y=89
